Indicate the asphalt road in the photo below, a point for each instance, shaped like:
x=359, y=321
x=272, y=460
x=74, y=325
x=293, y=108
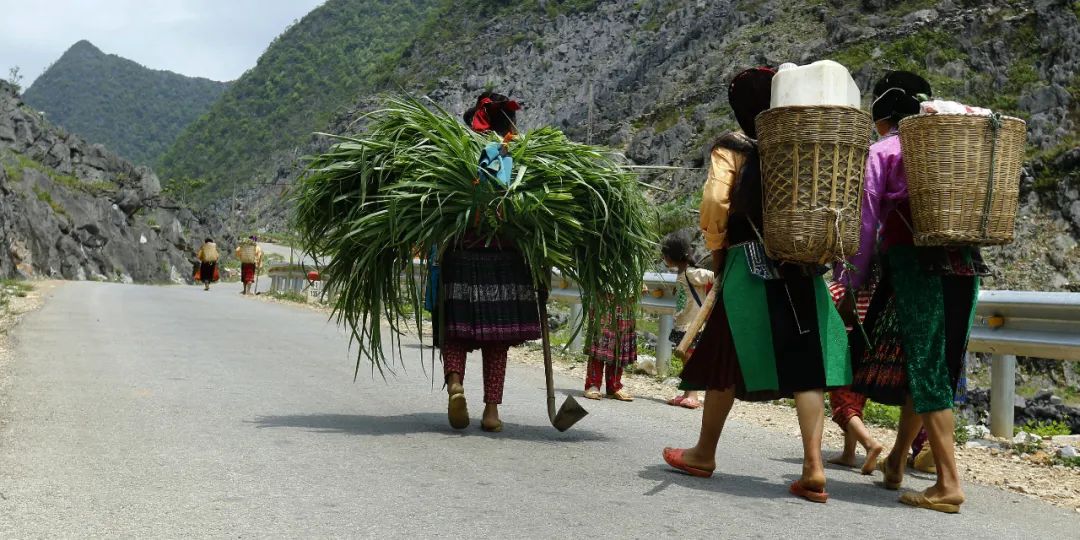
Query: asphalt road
x=170, y=412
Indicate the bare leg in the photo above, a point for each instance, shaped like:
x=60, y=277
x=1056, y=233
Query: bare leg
x=910, y=424
x=848, y=457
x=810, y=407
x=940, y=426
x=717, y=406
x=857, y=429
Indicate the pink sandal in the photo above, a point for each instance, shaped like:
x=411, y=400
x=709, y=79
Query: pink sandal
x=690, y=403
x=676, y=401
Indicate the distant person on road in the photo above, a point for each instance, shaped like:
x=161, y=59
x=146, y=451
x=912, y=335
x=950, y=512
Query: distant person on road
x=208, y=263
x=693, y=286
x=251, y=258
x=921, y=309
x=773, y=331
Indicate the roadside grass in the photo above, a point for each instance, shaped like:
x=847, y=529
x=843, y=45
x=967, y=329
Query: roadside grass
x=1045, y=429
x=11, y=288
x=16, y=287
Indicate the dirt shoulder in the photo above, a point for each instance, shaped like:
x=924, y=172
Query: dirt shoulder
x=11, y=312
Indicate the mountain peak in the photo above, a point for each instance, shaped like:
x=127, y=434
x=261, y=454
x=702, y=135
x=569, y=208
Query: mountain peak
x=135, y=111
x=85, y=47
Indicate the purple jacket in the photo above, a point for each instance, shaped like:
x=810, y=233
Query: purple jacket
x=885, y=187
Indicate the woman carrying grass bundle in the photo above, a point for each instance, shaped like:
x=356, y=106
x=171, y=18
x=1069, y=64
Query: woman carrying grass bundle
x=488, y=298
x=921, y=310
x=783, y=336
x=411, y=182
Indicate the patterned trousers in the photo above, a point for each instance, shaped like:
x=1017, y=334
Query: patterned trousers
x=595, y=376
x=494, y=355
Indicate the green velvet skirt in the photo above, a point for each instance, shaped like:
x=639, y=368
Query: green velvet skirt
x=918, y=325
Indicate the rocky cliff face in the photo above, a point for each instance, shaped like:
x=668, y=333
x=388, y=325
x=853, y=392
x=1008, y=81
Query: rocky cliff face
x=70, y=209
x=650, y=79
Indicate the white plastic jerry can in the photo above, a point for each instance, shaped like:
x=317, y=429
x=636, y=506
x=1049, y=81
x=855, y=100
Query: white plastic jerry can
x=821, y=83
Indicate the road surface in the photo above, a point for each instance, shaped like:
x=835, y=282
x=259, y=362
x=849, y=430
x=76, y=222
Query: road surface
x=141, y=411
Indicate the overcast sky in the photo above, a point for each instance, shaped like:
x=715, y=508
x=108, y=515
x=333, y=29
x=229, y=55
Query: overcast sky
x=216, y=39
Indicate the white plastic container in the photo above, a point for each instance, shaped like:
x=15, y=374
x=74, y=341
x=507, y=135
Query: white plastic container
x=822, y=83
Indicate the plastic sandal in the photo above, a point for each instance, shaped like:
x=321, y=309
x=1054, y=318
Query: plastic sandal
x=676, y=401
x=457, y=412
x=891, y=484
x=919, y=500
x=799, y=490
x=674, y=457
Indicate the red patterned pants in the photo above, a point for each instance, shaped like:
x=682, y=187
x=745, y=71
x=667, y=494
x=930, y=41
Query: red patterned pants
x=846, y=404
x=494, y=354
x=595, y=376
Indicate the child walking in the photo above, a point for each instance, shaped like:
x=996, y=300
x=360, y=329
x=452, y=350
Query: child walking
x=693, y=286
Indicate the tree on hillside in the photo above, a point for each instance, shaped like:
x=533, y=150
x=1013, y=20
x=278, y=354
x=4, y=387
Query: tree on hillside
x=15, y=78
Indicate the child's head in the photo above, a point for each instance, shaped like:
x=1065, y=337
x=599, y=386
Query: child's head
x=675, y=248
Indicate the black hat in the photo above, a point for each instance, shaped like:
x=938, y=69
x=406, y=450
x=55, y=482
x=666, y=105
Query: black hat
x=749, y=95
x=898, y=95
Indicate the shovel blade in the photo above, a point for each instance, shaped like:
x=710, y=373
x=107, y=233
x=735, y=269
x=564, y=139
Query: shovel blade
x=568, y=414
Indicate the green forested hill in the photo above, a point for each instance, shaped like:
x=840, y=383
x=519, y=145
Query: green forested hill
x=318, y=66
x=135, y=111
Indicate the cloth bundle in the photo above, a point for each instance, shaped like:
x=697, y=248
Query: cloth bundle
x=940, y=106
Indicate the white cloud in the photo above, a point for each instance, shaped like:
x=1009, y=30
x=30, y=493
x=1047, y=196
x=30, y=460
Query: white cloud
x=216, y=39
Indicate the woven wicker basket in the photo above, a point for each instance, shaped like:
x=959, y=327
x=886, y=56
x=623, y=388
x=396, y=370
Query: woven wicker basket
x=963, y=177
x=247, y=253
x=812, y=164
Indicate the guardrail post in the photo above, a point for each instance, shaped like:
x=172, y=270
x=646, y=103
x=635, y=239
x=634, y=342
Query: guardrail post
x=576, y=345
x=663, y=345
x=1002, y=394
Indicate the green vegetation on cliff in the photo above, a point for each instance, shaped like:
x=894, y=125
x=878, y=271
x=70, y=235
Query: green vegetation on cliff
x=135, y=111
x=309, y=74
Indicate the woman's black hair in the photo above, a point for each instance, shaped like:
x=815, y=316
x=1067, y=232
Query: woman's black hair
x=677, y=246
x=208, y=241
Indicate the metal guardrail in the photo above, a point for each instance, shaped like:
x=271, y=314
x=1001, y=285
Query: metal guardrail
x=1007, y=324
x=292, y=277
x=659, y=300
x=1022, y=323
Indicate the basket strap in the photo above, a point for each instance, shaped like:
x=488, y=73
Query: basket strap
x=995, y=123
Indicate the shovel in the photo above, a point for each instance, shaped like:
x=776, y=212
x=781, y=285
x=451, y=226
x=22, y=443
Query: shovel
x=570, y=412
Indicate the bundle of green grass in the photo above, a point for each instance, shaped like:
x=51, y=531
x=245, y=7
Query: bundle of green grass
x=377, y=201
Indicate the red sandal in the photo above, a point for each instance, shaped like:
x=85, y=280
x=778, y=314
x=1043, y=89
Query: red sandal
x=674, y=457
x=799, y=490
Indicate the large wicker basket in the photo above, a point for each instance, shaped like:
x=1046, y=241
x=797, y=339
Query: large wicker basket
x=963, y=177
x=247, y=253
x=812, y=164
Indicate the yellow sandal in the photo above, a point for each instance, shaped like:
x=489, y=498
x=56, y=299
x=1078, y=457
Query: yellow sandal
x=919, y=500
